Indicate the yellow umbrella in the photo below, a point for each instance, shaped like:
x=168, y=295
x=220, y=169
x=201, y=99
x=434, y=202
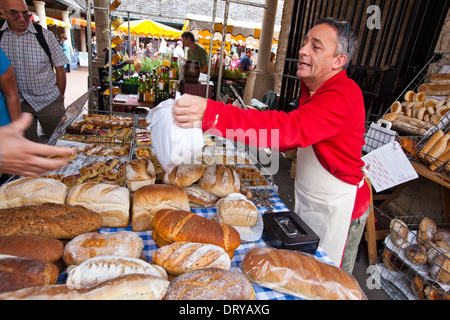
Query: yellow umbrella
x=150, y=28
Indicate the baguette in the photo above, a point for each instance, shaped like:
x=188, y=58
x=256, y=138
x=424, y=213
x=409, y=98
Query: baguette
x=17, y=273
x=32, y=247
x=435, y=89
x=56, y=221
x=90, y=245
x=438, y=148
x=441, y=78
x=128, y=287
x=402, y=126
x=441, y=160
x=300, y=275
x=176, y=225
x=430, y=143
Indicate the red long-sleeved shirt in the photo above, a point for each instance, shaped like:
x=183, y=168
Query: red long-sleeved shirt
x=331, y=120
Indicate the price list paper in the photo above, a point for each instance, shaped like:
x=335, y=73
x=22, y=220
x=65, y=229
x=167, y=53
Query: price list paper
x=388, y=167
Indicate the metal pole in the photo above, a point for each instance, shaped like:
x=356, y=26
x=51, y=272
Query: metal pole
x=89, y=36
x=224, y=35
x=211, y=45
x=109, y=53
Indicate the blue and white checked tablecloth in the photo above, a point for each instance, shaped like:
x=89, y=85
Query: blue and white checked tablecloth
x=239, y=254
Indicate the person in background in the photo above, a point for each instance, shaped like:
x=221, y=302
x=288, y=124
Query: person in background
x=66, y=48
x=19, y=156
x=9, y=96
x=195, y=51
x=272, y=63
x=41, y=82
x=327, y=130
x=149, y=50
x=94, y=47
x=246, y=63
x=178, y=52
x=234, y=64
x=120, y=64
x=141, y=51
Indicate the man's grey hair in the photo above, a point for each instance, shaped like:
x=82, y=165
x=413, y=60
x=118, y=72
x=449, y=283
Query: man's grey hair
x=347, y=40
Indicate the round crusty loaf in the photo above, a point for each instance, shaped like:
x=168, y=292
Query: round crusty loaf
x=182, y=257
x=32, y=191
x=237, y=211
x=199, y=197
x=185, y=175
x=112, y=202
x=94, y=271
x=220, y=180
x=150, y=199
x=210, y=284
x=93, y=244
x=139, y=173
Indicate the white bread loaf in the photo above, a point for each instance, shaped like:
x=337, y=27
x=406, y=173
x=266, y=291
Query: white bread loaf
x=199, y=197
x=128, y=287
x=237, y=211
x=148, y=200
x=94, y=271
x=181, y=257
x=139, y=173
x=210, y=284
x=220, y=180
x=110, y=201
x=185, y=175
x=32, y=191
x=93, y=244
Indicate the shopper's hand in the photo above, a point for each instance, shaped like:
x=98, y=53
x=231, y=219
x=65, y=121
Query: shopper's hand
x=23, y=157
x=188, y=111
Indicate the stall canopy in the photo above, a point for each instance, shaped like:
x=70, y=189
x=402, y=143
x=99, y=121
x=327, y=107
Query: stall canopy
x=55, y=22
x=149, y=28
x=82, y=22
x=237, y=31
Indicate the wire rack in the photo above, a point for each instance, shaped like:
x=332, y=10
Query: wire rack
x=423, y=277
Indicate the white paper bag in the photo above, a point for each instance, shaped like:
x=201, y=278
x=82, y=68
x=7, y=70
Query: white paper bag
x=173, y=145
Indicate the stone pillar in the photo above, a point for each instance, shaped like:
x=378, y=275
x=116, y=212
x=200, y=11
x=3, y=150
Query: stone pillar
x=83, y=47
x=260, y=81
x=40, y=11
x=65, y=18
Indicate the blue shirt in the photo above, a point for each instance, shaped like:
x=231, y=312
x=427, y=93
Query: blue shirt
x=35, y=77
x=245, y=63
x=4, y=113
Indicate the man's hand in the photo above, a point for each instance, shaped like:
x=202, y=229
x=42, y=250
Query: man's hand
x=188, y=111
x=24, y=157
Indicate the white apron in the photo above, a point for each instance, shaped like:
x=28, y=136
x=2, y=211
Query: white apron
x=324, y=202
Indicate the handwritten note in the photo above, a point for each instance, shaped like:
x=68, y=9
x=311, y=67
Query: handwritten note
x=388, y=167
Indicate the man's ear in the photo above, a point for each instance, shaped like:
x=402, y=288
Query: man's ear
x=340, y=62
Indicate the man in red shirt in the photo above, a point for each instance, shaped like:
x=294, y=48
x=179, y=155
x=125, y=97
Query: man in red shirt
x=327, y=129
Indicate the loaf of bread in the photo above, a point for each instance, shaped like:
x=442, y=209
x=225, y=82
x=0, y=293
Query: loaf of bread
x=148, y=200
x=220, y=180
x=32, y=247
x=441, y=78
x=210, y=284
x=112, y=202
x=430, y=143
x=398, y=232
x=416, y=253
x=199, y=198
x=94, y=271
x=425, y=235
x=127, y=287
x=236, y=210
x=299, y=274
x=56, y=221
x=17, y=273
x=32, y=191
x=182, y=257
x=438, y=149
x=176, y=225
x=139, y=173
x=94, y=244
x=185, y=175
x=440, y=268
x=435, y=89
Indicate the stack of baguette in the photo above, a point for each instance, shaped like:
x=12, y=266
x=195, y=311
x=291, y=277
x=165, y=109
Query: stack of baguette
x=436, y=151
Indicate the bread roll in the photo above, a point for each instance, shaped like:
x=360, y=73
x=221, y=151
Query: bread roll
x=409, y=96
x=149, y=200
x=416, y=253
x=128, y=287
x=32, y=247
x=93, y=244
x=94, y=271
x=17, y=273
x=299, y=274
x=175, y=225
x=390, y=116
x=185, y=175
x=398, y=232
x=182, y=257
x=425, y=235
x=236, y=210
x=56, y=221
x=434, y=89
x=32, y=191
x=210, y=284
x=199, y=197
x=440, y=267
x=110, y=201
x=220, y=180
x=419, y=97
x=139, y=173
x=396, y=107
